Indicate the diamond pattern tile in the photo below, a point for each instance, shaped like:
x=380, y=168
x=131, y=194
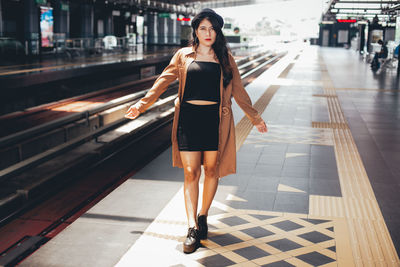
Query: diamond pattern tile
x=315, y=221
x=332, y=248
x=225, y=239
x=251, y=253
x=262, y=217
x=284, y=244
x=315, y=237
x=215, y=261
x=215, y=211
x=257, y=232
x=315, y=258
x=278, y=264
x=233, y=221
x=287, y=225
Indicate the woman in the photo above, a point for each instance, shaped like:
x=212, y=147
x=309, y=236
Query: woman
x=203, y=131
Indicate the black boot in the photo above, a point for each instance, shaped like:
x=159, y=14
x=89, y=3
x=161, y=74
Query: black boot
x=203, y=227
x=192, y=241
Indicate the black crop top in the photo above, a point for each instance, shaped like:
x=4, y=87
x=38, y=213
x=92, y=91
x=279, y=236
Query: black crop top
x=203, y=81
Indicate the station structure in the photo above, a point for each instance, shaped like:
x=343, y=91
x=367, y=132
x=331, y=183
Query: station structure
x=80, y=185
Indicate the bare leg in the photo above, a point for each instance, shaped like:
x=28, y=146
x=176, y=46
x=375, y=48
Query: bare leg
x=210, y=180
x=191, y=164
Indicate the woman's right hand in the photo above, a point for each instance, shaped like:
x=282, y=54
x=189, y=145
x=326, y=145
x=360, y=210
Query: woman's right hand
x=132, y=113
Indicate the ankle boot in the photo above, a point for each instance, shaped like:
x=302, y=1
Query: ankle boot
x=203, y=227
x=192, y=241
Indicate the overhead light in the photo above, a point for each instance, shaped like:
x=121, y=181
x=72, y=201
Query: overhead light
x=327, y=22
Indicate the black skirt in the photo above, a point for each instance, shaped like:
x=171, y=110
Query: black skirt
x=198, y=127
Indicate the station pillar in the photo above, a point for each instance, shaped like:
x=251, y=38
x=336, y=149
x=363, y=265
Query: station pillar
x=1, y=21
x=61, y=23
x=109, y=23
x=178, y=29
x=87, y=20
x=31, y=28
x=162, y=30
x=61, y=18
x=171, y=30
x=152, y=33
x=361, y=31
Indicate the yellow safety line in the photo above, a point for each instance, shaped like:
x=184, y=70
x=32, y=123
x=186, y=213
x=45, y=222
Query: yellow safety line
x=370, y=240
x=367, y=89
x=244, y=126
x=286, y=71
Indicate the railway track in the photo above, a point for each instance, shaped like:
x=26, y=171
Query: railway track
x=47, y=187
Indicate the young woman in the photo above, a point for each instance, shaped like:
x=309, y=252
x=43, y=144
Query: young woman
x=203, y=131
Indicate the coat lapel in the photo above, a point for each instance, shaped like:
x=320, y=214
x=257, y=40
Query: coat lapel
x=189, y=56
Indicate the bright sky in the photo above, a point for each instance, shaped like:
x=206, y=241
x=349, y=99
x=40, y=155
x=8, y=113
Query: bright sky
x=302, y=16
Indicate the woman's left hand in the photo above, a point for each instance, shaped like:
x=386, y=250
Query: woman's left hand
x=262, y=127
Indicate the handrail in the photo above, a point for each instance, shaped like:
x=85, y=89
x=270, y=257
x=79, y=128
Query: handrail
x=254, y=60
x=263, y=64
x=251, y=57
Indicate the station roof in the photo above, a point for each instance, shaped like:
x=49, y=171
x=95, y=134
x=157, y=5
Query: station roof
x=189, y=7
x=385, y=10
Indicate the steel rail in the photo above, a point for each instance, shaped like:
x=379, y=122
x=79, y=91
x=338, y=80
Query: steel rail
x=58, y=150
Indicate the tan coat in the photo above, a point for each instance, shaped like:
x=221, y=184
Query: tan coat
x=227, y=148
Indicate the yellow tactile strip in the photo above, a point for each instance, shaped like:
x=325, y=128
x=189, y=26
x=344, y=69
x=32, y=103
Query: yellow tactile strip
x=370, y=240
x=329, y=125
x=367, y=89
x=286, y=71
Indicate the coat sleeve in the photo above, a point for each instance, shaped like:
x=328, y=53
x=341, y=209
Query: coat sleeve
x=240, y=95
x=169, y=74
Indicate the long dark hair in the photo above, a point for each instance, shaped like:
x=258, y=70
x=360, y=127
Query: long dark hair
x=220, y=46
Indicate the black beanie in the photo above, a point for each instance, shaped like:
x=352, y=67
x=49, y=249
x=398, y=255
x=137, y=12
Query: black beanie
x=208, y=12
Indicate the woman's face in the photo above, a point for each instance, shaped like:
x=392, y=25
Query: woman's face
x=206, y=33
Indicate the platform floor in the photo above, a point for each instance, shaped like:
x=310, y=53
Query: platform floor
x=321, y=188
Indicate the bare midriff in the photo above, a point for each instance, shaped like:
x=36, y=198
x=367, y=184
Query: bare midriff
x=201, y=102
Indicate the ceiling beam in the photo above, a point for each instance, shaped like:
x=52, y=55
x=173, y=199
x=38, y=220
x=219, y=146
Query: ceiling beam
x=366, y=2
x=391, y=9
x=360, y=8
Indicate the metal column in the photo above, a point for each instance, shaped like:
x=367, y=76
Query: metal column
x=31, y=27
x=1, y=21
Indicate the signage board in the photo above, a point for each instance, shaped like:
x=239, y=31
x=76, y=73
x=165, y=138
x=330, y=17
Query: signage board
x=164, y=15
x=64, y=7
x=46, y=26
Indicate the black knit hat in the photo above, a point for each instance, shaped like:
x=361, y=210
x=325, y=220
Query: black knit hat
x=208, y=12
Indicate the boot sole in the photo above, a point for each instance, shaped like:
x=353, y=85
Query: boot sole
x=190, y=249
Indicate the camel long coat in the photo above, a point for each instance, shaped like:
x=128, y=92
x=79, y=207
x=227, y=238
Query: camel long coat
x=177, y=69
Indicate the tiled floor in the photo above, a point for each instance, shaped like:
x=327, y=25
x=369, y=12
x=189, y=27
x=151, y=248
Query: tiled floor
x=319, y=189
